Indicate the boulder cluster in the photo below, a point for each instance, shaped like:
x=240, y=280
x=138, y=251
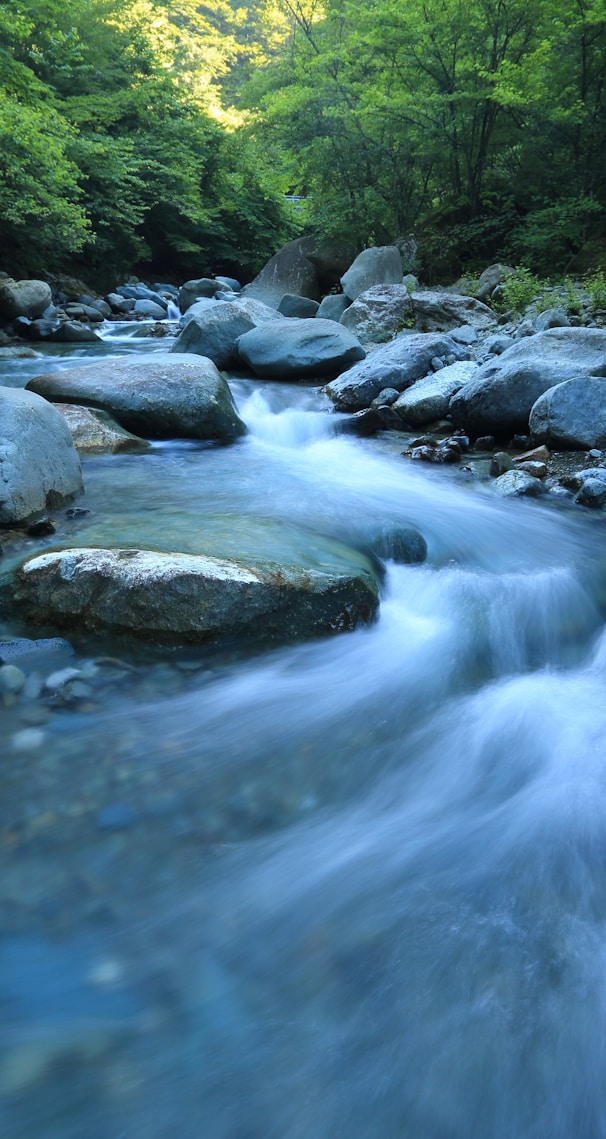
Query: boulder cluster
x=507, y=396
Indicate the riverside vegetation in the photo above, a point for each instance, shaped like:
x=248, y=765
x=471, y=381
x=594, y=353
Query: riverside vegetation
x=162, y=136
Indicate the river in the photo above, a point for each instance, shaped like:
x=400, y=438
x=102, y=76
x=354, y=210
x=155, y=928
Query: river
x=350, y=888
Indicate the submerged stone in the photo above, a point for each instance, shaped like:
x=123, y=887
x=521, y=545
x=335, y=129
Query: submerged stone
x=168, y=597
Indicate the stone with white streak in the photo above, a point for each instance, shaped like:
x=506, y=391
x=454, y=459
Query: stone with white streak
x=168, y=597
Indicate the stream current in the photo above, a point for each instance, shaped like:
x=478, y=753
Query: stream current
x=353, y=887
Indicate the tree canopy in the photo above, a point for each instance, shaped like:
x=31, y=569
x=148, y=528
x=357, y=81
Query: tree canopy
x=116, y=148
x=479, y=124
x=148, y=133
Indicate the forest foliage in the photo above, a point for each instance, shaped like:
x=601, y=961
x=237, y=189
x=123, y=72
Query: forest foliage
x=149, y=133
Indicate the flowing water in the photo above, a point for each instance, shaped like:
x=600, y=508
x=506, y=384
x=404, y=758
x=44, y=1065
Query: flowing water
x=354, y=887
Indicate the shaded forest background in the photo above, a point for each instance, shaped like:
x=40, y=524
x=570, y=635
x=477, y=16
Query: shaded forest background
x=163, y=137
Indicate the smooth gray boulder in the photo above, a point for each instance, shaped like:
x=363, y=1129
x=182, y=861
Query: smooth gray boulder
x=212, y=328
x=299, y=349
x=551, y=318
x=94, y=432
x=441, y=311
x=571, y=415
x=141, y=292
x=71, y=332
x=497, y=343
x=24, y=298
x=380, y=265
x=428, y=399
x=201, y=305
x=256, y=311
x=150, y=309
x=288, y=271
x=229, y=283
x=402, y=544
x=491, y=277
x=213, y=331
x=302, y=307
x=498, y=400
x=397, y=365
x=465, y=334
x=120, y=304
x=77, y=311
x=157, y=396
x=167, y=597
x=378, y=313
x=101, y=306
x=333, y=306
x=39, y=466
x=191, y=291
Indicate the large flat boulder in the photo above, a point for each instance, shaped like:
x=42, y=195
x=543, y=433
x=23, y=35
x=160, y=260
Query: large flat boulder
x=176, y=597
x=213, y=328
x=572, y=415
x=39, y=466
x=299, y=349
x=378, y=314
x=156, y=396
x=397, y=365
x=498, y=400
x=380, y=265
x=435, y=310
x=428, y=399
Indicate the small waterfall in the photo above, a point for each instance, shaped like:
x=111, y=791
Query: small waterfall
x=173, y=312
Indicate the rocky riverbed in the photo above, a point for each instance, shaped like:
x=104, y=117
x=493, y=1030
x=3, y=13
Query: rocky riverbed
x=286, y=887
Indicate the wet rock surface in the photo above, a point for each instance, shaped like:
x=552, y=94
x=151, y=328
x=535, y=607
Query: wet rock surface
x=500, y=397
x=157, y=397
x=299, y=349
x=172, y=596
x=39, y=467
x=397, y=365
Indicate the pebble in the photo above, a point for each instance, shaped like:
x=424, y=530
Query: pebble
x=536, y=455
x=35, y=714
x=77, y=512
x=33, y=686
x=29, y=739
x=116, y=817
x=539, y=470
x=12, y=679
x=500, y=463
